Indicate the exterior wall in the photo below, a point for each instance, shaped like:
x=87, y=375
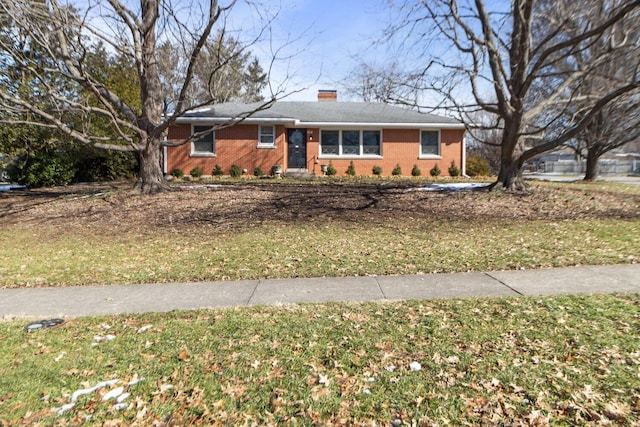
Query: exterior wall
x=238, y=145
x=234, y=145
x=399, y=147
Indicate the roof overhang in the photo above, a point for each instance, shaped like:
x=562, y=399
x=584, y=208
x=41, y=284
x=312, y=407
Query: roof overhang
x=300, y=124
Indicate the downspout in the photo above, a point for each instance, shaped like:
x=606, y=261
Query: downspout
x=164, y=157
x=464, y=156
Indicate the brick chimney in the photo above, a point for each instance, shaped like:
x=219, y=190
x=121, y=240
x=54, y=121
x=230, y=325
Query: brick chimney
x=327, y=95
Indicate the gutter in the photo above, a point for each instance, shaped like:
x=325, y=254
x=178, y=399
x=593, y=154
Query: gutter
x=301, y=124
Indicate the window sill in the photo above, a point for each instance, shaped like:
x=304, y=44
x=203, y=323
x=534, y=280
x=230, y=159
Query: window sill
x=203, y=155
x=267, y=146
x=429, y=157
x=350, y=157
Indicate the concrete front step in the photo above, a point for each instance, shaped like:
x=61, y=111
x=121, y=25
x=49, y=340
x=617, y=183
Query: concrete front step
x=299, y=174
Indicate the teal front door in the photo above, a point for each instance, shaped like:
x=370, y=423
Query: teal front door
x=297, y=148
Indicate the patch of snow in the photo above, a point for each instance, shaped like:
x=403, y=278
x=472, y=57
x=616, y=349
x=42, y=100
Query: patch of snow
x=415, y=366
x=64, y=408
x=113, y=394
x=458, y=186
x=123, y=397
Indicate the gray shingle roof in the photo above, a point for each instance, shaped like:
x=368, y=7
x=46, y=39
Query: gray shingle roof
x=321, y=114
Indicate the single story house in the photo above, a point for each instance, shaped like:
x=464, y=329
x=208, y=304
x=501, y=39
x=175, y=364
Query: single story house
x=308, y=136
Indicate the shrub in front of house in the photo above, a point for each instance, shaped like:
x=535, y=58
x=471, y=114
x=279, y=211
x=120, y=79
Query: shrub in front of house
x=217, y=171
x=453, y=169
x=477, y=166
x=377, y=170
x=196, y=172
x=351, y=170
x=257, y=171
x=331, y=170
x=235, y=171
x=177, y=173
x=435, y=171
x=416, y=171
x=397, y=171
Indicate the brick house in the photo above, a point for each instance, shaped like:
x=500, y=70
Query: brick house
x=305, y=136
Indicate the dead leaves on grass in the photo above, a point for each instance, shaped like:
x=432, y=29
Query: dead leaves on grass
x=501, y=362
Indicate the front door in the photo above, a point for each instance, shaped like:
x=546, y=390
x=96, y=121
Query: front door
x=297, y=151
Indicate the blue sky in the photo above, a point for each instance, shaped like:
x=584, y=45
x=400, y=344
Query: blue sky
x=330, y=36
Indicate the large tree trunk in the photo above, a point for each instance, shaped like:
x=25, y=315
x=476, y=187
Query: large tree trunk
x=510, y=175
x=592, y=165
x=151, y=178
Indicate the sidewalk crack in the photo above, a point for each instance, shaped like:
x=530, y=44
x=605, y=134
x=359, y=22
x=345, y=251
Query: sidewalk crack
x=504, y=284
x=380, y=287
x=255, y=289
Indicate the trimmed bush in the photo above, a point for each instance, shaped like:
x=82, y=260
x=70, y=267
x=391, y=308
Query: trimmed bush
x=196, y=172
x=416, y=171
x=177, y=173
x=257, y=171
x=217, y=171
x=397, y=171
x=377, y=170
x=331, y=170
x=435, y=171
x=351, y=170
x=235, y=171
x=477, y=166
x=453, y=169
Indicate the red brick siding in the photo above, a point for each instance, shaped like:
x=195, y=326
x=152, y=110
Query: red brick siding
x=238, y=145
x=234, y=145
x=402, y=147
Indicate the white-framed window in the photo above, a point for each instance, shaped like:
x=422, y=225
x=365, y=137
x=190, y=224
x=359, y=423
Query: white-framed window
x=206, y=144
x=430, y=143
x=266, y=136
x=351, y=142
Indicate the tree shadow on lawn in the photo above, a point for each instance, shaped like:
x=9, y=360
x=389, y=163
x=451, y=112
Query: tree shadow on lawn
x=241, y=207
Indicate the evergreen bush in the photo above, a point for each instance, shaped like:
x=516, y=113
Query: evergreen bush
x=453, y=169
x=217, y=171
x=351, y=170
x=235, y=171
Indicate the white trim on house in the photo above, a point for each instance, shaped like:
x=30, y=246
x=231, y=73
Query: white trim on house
x=300, y=124
x=353, y=156
x=260, y=134
x=422, y=156
x=194, y=153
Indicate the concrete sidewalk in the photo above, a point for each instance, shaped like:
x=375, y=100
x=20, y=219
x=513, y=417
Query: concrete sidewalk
x=120, y=299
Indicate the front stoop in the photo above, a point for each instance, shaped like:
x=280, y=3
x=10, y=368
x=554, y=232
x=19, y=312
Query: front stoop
x=299, y=174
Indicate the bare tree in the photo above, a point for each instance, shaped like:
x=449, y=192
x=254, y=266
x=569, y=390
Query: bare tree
x=495, y=59
x=225, y=71
x=64, y=36
x=618, y=123
x=387, y=84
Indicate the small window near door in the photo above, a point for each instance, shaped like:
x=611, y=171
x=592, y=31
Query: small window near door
x=430, y=143
x=266, y=136
x=206, y=144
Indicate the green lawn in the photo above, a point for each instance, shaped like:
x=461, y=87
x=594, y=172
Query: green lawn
x=47, y=257
x=572, y=360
